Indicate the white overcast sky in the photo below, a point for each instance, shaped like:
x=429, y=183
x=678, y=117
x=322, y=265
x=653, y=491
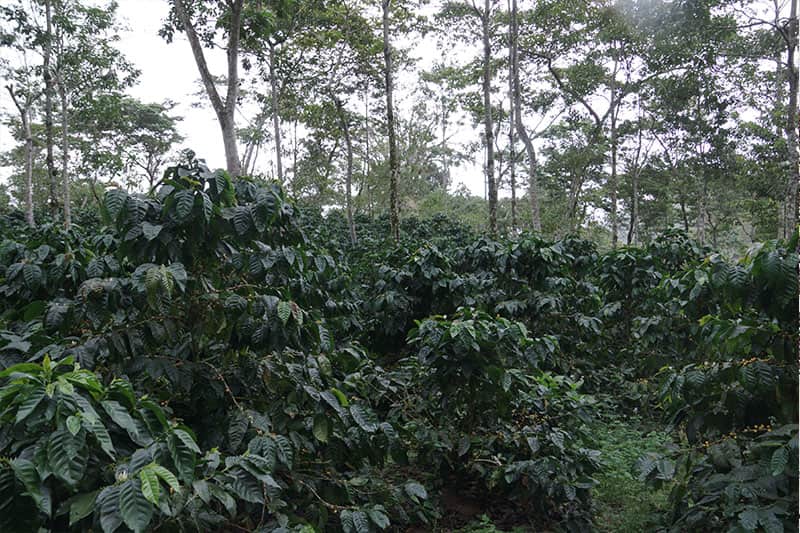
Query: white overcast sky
x=168, y=71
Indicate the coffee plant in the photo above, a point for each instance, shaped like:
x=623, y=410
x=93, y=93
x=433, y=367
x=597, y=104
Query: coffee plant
x=214, y=356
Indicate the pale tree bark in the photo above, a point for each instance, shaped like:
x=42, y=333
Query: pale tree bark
x=48, y=110
x=253, y=145
x=445, y=156
x=366, y=153
x=226, y=109
x=512, y=159
x=780, y=128
x=793, y=199
x=25, y=117
x=62, y=93
x=348, y=180
x=635, y=172
x=512, y=169
x=613, y=138
x=703, y=214
x=633, y=231
x=533, y=186
x=394, y=218
x=488, y=127
x=276, y=121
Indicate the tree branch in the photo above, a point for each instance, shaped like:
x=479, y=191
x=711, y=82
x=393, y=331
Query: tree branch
x=200, y=58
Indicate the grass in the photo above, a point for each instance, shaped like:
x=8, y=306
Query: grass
x=485, y=525
x=622, y=503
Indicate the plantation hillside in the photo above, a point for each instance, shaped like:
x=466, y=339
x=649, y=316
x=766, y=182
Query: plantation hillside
x=407, y=266
x=214, y=357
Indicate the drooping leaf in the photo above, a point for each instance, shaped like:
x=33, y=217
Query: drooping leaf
x=321, y=428
x=81, y=506
x=26, y=473
x=779, y=461
x=167, y=476
x=284, y=311
x=134, y=508
x=378, y=517
x=184, y=202
x=151, y=487
x=415, y=491
x=29, y=404
x=364, y=417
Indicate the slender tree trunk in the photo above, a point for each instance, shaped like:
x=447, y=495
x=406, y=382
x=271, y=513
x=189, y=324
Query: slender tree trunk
x=613, y=180
x=276, y=121
x=445, y=157
x=633, y=230
x=574, y=191
x=701, y=218
x=780, y=129
x=225, y=111
x=684, y=214
x=512, y=159
x=348, y=180
x=48, y=111
x=533, y=186
x=26, y=125
x=487, y=116
x=62, y=92
x=512, y=176
x=367, y=163
x=637, y=170
x=793, y=198
x=394, y=218
x=252, y=168
x=294, y=152
x=25, y=118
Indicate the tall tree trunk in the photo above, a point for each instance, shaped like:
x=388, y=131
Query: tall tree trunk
x=613, y=183
x=633, y=230
x=348, y=179
x=614, y=103
x=62, y=92
x=512, y=159
x=487, y=116
x=28, y=168
x=533, y=186
x=394, y=217
x=780, y=129
x=294, y=152
x=366, y=153
x=276, y=121
x=574, y=194
x=512, y=174
x=793, y=198
x=225, y=111
x=445, y=156
x=48, y=111
x=25, y=118
x=684, y=214
x=701, y=217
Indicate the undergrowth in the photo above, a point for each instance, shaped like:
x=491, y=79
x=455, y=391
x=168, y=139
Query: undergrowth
x=623, y=503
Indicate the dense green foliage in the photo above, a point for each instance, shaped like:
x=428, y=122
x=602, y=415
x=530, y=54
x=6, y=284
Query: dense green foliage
x=210, y=356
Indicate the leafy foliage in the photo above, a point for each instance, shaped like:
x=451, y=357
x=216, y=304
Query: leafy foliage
x=209, y=357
